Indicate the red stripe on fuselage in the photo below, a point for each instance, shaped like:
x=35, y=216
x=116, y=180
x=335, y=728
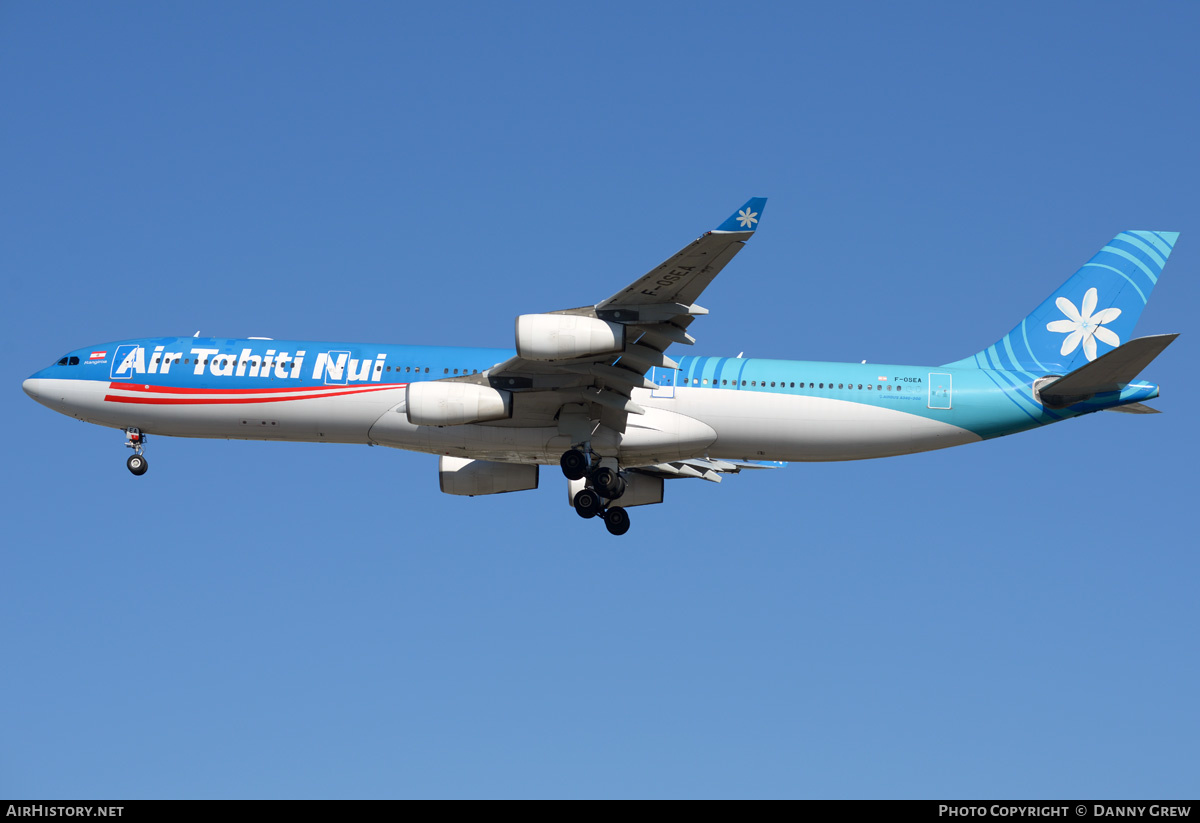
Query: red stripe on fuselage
x=202, y=401
x=143, y=387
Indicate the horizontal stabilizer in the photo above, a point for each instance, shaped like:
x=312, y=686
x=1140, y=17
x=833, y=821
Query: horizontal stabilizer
x=1110, y=372
x=1135, y=408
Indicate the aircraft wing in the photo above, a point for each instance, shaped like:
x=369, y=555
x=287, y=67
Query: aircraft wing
x=654, y=311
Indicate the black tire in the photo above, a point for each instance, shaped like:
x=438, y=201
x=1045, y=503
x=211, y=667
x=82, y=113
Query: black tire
x=137, y=464
x=616, y=520
x=610, y=484
x=587, y=503
x=574, y=464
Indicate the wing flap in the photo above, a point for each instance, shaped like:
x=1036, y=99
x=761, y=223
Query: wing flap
x=704, y=468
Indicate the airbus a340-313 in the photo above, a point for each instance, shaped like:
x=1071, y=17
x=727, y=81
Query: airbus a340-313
x=593, y=389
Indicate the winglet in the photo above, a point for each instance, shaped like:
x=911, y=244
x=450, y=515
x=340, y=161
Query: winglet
x=746, y=218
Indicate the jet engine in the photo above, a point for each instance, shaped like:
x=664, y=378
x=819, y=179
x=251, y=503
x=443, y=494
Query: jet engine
x=455, y=404
x=566, y=336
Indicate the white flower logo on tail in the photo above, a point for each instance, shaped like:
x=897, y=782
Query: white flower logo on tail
x=747, y=218
x=1084, y=324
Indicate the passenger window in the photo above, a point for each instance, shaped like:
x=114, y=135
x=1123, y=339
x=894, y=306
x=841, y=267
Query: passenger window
x=772, y=384
x=839, y=385
x=822, y=385
x=427, y=370
x=743, y=382
x=793, y=386
x=869, y=387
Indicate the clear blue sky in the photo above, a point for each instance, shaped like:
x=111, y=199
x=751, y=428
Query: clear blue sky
x=1016, y=618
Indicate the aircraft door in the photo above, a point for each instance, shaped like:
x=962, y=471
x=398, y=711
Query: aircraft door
x=664, y=381
x=941, y=387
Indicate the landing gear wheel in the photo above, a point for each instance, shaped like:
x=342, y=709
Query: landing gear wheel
x=137, y=464
x=574, y=464
x=610, y=484
x=616, y=520
x=588, y=504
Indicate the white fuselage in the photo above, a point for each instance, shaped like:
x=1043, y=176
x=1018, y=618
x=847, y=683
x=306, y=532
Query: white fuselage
x=695, y=422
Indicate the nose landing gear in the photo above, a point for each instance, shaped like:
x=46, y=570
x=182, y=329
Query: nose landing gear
x=135, y=440
x=603, y=485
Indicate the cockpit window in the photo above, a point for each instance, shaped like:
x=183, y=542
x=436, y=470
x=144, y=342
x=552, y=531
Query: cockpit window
x=62, y=362
x=68, y=361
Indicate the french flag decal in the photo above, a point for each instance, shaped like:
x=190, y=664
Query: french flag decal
x=98, y=355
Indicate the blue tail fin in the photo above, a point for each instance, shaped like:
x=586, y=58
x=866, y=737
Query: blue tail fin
x=1092, y=313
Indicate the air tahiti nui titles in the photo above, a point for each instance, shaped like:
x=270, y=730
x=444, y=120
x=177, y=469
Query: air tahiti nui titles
x=328, y=367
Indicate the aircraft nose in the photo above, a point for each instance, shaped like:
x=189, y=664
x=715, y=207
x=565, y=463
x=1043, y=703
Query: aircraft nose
x=31, y=387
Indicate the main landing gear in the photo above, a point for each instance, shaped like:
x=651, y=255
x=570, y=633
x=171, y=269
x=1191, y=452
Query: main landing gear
x=603, y=484
x=135, y=440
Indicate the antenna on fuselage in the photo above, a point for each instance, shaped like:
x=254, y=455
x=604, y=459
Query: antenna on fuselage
x=197, y=334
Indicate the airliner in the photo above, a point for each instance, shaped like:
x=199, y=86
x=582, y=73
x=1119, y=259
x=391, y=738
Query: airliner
x=593, y=389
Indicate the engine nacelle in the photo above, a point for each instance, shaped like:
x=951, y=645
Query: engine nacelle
x=461, y=475
x=455, y=404
x=566, y=336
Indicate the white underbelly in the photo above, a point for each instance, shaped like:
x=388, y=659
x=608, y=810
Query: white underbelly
x=695, y=423
x=795, y=428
